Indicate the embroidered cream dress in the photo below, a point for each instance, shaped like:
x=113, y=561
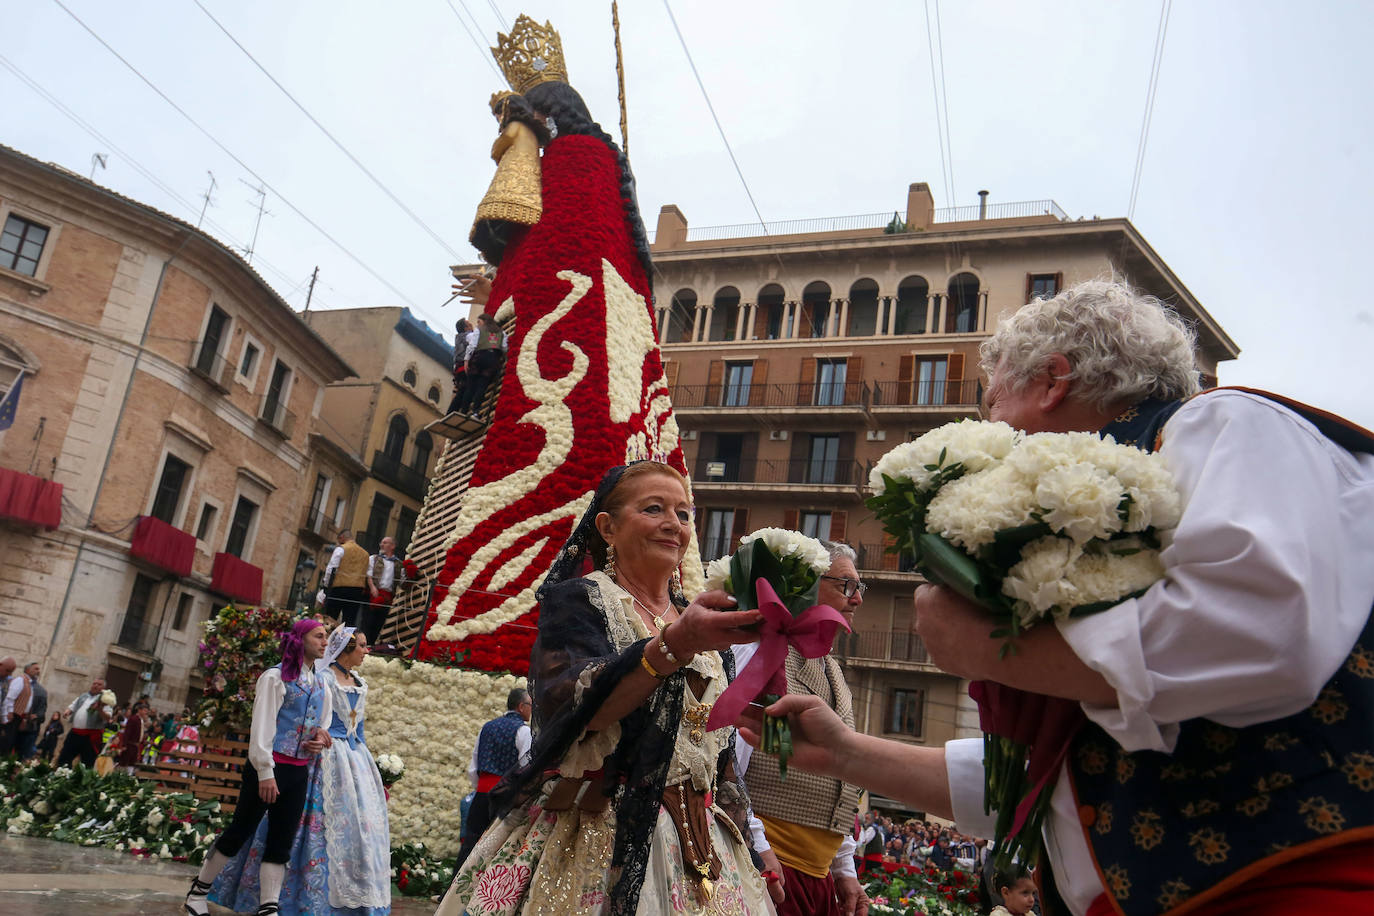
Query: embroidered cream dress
x=545, y=861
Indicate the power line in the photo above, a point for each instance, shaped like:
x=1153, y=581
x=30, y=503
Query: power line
x=243, y=165
x=939, y=125
x=944, y=98
x=1165, y=7
x=483, y=52
x=335, y=140
x=712, y=109
x=499, y=18
x=138, y=167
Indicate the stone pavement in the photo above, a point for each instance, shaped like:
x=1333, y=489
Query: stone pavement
x=46, y=878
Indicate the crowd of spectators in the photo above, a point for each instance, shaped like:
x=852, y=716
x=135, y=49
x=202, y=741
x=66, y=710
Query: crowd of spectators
x=915, y=842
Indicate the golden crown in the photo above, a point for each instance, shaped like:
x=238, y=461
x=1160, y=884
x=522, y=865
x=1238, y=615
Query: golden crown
x=531, y=54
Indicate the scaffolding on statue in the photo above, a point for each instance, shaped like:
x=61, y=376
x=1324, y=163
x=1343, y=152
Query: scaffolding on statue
x=464, y=436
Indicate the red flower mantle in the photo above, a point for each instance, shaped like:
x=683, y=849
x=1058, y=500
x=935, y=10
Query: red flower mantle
x=583, y=230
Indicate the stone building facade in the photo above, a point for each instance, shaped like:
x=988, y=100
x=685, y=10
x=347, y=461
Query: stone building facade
x=167, y=403
x=799, y=355
x=404, y=382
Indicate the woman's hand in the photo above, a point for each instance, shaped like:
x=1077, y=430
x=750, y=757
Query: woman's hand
x=820, y=738
x=709, y=624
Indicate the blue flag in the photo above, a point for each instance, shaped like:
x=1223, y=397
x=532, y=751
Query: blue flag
x=10, y=403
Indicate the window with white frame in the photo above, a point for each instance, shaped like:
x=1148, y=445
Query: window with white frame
x=21, y=244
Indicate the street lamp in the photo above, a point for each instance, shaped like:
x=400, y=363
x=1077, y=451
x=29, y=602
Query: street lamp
x=304, y=569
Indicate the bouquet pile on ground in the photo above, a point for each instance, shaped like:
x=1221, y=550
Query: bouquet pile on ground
x=76, y=805
x=778, y=572
x=928, y=891
x=1030, y=527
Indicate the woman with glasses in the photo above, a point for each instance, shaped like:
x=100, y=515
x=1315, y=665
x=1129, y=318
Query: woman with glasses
x=803, y=828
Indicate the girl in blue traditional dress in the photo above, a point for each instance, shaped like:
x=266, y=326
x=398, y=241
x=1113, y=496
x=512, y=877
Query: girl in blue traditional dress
x=340, y=862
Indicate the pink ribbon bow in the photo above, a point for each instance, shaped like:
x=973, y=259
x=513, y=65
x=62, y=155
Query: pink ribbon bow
x=812, y=633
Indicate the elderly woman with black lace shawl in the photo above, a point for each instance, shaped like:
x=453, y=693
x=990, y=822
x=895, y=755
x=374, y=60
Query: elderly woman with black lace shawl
x=628, y=805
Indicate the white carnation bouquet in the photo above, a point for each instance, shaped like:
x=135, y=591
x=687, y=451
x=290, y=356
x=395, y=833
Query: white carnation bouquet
x=1030, y=527
x=778, y=572
x=392, y=768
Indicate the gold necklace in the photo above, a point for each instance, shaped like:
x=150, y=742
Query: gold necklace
x=659, y=620
x=703, y=868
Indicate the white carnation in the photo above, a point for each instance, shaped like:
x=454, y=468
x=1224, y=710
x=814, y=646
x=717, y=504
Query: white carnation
x=976, y=444
x=1040, y=581
x=1080, y=501
x=971, y=510
x=1110, y=577
x=154, y=818
x=717, y=571
x=785, y=543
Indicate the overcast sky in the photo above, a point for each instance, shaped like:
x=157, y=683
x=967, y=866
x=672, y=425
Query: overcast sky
x=1254, y=187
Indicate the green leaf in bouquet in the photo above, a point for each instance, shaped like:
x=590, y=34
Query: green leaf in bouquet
x=944, y=564
x=1005, y=550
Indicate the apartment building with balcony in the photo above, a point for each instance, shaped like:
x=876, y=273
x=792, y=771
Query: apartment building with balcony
x=405, y=382
x=798, y=353
x=157, y=433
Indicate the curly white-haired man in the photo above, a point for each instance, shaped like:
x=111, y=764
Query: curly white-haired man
x=1228, y=759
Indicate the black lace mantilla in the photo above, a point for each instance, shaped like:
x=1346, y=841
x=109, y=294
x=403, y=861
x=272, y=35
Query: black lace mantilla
x=574, y=637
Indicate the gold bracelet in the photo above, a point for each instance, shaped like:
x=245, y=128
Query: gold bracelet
x=644, y=661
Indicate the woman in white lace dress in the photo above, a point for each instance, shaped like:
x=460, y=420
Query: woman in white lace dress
x=341, y=859
x=629, y=806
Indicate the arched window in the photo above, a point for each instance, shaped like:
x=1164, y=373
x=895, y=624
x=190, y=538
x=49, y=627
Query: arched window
x=863, y=309
x=913, y=298
x=408, y=376
x=725, y=315
x=961, y=312
x=770, y=319
x=396, y=434
x=815, y=320
x=680, y=318
x=13, y=363
x=424, y=445
x=434, y=394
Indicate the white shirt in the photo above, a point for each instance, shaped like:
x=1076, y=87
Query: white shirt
x=1269, y=565
x=382, y=570
x=523, y=740
x=334, y=559
x=270, y=693
x=78, y=708
x=843, y=863
x=12, y=691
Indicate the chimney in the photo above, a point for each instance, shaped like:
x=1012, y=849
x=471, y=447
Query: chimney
x=920, y=206
x=672, y=227
x=982, y=204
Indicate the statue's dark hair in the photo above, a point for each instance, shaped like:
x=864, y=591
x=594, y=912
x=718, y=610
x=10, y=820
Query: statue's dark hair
x=562, y=104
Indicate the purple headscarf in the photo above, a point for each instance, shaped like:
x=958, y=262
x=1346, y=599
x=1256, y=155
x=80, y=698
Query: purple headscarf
x=293, y=649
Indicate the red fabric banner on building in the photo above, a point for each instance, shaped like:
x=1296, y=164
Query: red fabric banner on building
x=31, y=499
x=162, y=545
x=237, y=579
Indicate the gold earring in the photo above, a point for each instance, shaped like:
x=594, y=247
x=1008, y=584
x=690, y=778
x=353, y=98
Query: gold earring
x=610, y=561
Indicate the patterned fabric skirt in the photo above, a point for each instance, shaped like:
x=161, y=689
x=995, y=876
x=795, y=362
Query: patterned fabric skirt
x=559, y=862
x=340, y=861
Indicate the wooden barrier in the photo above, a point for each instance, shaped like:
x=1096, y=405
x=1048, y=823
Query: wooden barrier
x=209, y=769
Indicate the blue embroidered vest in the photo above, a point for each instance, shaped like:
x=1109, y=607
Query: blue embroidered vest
x=496, y=751
x=299, y=714
x=1170, y=831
